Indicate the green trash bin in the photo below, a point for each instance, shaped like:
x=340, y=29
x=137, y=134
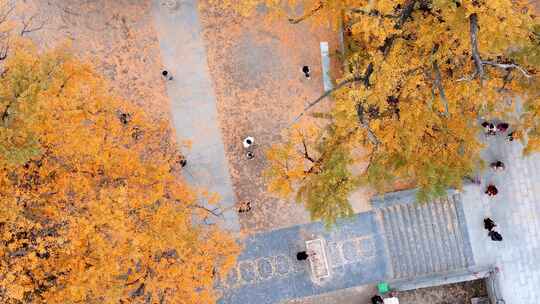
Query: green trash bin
x=383, y=287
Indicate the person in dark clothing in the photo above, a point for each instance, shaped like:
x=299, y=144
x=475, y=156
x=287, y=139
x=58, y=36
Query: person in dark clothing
x=510, y=136
x=497, y=165
x=244, y=207
x=302, y=255
x=489, y=128
x=489, y=224
x=377, y=300
x=491, y=190
x=495, y=236
x=166, y=75
x=502, y=127
x=305, y=70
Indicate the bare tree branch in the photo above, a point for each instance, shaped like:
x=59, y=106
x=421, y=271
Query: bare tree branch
x=473, y=20
x=27, y=26
x=374, y=13
x=507, y=66
x=306, y=155
x=6, y=11
x=360, y=114
x=438, y=84
x=316, y=166
x=506, y=79
x=405, y=14
x=468, y=78
x=306, y=16
x=213, y=211
x=5, y=49
x=327, y=93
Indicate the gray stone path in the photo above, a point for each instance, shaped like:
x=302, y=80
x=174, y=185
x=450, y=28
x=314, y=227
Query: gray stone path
x=516, y=212
x=267, y=271
x=194, y=110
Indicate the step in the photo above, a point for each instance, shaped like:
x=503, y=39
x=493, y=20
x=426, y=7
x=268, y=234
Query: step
x=404, y=228
x=396, y=223
x=437, y=235
x=456, y=245
x=421, y=255
x=424, y=238
x=391, y=241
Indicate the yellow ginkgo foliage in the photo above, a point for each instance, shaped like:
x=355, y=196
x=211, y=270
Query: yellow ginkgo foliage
x=94, y=209
x=419, y=79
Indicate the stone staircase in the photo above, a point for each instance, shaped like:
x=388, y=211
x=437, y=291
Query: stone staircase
x=423, y=239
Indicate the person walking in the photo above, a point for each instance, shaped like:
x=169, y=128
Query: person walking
x=248, y=142
x=495, y=236
x=306, y=71
x=497, y=166
x=510, y=136
x=377, y=300
x=489, y=128
x=491, y=190
x=301, y=255
x=489, y=224
x=502, y=127
x=166, y=75
x=304, y=255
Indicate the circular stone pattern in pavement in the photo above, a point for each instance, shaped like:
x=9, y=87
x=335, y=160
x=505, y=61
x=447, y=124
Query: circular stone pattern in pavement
x=349, y=251
x=282, y=264
x=232, y=276
x=247, y=271
x=265, y=268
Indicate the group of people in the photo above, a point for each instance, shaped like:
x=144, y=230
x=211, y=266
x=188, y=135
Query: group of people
x=489, y=225
x=492, y=129
x=244, y=207
x=248, y=143
x=497, y=166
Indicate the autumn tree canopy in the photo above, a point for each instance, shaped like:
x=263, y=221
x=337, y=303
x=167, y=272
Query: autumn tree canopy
x=93, y=207
x=420, y=77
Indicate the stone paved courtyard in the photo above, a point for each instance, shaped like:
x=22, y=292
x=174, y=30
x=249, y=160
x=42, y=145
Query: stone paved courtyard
x=516, y=211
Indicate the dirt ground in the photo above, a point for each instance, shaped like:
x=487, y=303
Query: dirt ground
x=118, y=37
x=459, y=293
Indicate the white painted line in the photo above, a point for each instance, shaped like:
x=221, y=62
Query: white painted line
x=325, y=56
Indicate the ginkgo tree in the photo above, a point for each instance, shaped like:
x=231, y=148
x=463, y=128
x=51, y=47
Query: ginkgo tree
x=94, y=209
x=419, y=78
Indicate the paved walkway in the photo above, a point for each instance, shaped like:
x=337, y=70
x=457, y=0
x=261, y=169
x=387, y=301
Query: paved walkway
x=516, y=211
x=268, y=272
x=193, y=102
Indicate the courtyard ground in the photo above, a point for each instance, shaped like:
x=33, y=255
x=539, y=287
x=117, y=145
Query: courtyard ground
x=117, y=37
